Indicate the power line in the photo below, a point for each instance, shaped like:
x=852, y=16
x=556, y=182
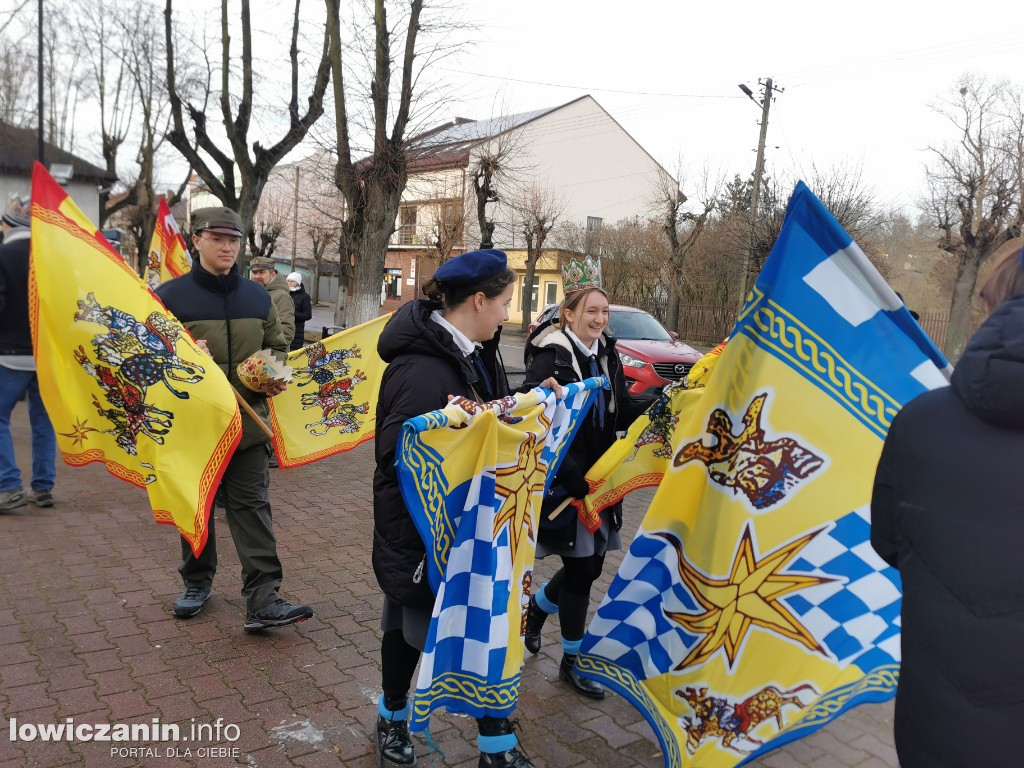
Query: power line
x=592, y=88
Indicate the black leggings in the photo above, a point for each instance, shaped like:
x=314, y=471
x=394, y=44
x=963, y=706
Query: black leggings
x=398, y=662
x=569, y=589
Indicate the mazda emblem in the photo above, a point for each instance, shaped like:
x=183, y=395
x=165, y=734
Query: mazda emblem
x=680, y=369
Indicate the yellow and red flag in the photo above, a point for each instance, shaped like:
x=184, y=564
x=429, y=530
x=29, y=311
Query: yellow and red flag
x=123, y=382
x=168, y=256
x=641, y=458
x=331, y=405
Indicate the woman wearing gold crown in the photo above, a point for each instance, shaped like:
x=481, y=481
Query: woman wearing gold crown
x=575, y=346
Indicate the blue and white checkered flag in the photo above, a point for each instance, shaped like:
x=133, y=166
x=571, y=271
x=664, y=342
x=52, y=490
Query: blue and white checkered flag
x=473, y=478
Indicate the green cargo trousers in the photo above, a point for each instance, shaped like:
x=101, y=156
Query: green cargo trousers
x=246, y=485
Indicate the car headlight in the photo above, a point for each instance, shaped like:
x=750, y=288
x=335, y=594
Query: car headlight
x=630, y=361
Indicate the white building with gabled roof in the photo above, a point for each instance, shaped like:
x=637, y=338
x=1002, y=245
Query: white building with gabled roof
x=576, y=152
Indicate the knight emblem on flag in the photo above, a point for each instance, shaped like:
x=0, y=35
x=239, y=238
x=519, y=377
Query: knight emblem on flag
x=750, y=608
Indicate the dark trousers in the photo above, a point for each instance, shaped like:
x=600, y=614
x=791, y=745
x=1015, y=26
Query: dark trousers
x=246, y=485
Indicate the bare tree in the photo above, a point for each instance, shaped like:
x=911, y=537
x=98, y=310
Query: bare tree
x=537, y=210
x=320, y=239
x=975, y=187
x=16, y=78
x=62, y=52
x=373, y=186
x=271, y=217
x=110, y=85
x=252, y=169
x=683, y=228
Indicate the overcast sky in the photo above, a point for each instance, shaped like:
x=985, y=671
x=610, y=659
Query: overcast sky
x=858, y=78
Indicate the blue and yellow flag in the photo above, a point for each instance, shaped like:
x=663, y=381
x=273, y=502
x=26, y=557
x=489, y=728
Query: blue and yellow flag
x=122, y=380
x=473, y=478
x=641, y=458
x=751, y=609
x=331, y=405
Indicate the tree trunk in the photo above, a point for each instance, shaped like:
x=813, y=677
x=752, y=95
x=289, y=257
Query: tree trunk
x=672, y=313
x=314, y=292
x=531, y=271
x=960, y=306
x=344, y=286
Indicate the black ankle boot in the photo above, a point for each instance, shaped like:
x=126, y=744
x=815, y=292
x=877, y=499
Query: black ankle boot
x=535, y=618
x=394, y=744
x=510, y=758
x=567, y=671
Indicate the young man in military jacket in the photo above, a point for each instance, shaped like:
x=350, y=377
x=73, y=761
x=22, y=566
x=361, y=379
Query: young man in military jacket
x=233, y=318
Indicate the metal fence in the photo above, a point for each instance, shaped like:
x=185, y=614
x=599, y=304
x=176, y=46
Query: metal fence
x=935, y=324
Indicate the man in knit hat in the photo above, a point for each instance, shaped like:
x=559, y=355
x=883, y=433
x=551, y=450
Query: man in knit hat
x=18, y=370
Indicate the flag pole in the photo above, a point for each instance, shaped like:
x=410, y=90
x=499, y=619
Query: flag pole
x=252, y=414
x=558, y=510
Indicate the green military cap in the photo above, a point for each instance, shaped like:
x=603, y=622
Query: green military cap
x=217, y=219
x=262, y=262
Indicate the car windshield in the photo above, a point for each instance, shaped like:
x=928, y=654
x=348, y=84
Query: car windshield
x=636, y=325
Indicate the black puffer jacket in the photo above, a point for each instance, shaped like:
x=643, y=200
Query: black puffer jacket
x=303, y=312
x=15, y=333
x=237, y=318
x=948, y=512
x=424, y=367
x=550, y=353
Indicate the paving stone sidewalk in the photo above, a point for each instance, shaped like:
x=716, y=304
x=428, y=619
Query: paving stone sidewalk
x=86, y=633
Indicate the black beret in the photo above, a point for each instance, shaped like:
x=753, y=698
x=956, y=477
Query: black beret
x=472, y=267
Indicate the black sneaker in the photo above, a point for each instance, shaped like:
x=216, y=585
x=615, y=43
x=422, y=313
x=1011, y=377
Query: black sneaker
x=41, y=498
x=191, y=602
x=278, y=614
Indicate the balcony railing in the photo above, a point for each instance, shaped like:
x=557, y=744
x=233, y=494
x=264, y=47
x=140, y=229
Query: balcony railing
x=414, y=235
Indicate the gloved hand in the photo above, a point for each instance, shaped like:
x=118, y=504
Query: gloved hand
x=576, y=485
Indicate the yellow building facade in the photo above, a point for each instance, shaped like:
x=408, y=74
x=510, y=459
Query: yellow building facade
x=547, y=282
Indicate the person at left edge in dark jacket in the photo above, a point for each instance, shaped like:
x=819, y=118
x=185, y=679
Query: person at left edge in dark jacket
x=18, y=370
x=445, y=345
x=303, y=308
x=572, y=348
x=232, y=319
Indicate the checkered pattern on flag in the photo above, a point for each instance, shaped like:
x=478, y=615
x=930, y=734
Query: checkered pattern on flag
x=751, y=609
x=473, y=477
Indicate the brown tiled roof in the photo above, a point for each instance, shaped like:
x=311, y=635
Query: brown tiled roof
x=18, y=153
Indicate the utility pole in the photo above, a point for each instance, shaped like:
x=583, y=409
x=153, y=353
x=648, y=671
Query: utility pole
x=40, y=149
x=755, y=193
x=759, y=165
x=295, y=217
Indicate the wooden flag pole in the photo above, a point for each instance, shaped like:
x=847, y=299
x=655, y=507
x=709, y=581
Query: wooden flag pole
x=252, y=414
x=558, y=510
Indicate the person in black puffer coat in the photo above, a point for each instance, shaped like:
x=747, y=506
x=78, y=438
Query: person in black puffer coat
x=447, y=345
x=948, y=512
x=575, y=348
x=303, y=309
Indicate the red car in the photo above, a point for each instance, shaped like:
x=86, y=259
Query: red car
x=651, y=356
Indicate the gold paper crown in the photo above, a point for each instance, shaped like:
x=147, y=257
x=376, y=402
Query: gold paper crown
x=579, y=273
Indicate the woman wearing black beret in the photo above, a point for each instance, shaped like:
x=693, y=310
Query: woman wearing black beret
x=444, y=345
